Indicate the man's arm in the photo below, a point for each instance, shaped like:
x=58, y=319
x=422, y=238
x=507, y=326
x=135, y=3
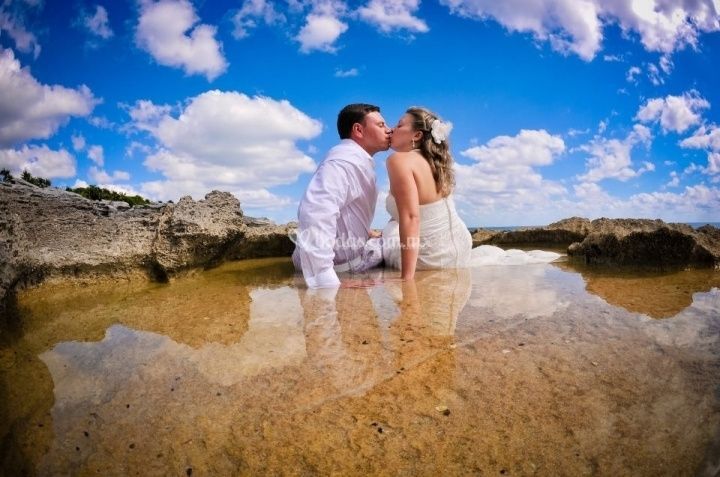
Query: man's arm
x=317, y=217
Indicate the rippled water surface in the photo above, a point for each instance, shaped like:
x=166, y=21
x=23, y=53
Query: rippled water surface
x=240, y=370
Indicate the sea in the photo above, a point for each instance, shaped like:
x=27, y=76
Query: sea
x=510, y=228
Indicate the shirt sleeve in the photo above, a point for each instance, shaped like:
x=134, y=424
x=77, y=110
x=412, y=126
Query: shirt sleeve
x=317, y=224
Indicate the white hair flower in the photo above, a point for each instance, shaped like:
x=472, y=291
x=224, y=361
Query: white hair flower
x=440, y=130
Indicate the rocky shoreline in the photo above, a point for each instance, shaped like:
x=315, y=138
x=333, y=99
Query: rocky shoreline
x=618, y=242
x=50, y=233
x=53, y=234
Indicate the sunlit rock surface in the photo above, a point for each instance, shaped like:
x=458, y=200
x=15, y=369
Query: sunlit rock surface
x=240, y=370
x=51, y=233
x=618, y=242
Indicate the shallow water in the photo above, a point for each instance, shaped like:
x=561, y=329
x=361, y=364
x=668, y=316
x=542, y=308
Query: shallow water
x=499, y=370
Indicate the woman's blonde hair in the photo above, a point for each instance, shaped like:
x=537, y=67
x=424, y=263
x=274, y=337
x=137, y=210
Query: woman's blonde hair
x=437, y=155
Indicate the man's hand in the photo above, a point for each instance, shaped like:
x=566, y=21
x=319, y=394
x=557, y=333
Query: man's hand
x=375, y=233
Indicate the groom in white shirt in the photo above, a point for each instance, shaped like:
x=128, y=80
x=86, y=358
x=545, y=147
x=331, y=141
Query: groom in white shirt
x=335, y=214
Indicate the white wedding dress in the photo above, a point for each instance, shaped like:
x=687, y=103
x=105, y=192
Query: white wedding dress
x=445, y=241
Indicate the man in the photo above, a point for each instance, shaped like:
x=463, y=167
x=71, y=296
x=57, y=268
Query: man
x=335, y=214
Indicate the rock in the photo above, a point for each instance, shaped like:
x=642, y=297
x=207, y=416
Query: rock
x=482, y=236
x=605, y=241
x=648, y=243
x=47, y=233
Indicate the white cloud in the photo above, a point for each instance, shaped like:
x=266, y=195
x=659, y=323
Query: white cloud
x=137, y=146
x=675, y=113
x=168, y=30
x=570, y=27
x=708, y=138
x=251, y=12
x=674, y=180
x=695, y=201
x=613, y=58
x=389, y=15
x=97, y=24
x=611, y=158
x=78, y=142
x=576, y=26
x=602, y=126
x=704, y=138
x=320, y=33
x=39, y=161
x=97, y=155
x=101, y=122
x=632, y=74
x=30, y=110
x=145, y=115
x=229, y=141
x=99, y=176
x=79, y=183
x=503, y=175
x=346, y=73
x=654, y=75
x=12, y=24
x=666, y=64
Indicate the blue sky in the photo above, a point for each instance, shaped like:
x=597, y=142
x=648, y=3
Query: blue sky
x=595, y=108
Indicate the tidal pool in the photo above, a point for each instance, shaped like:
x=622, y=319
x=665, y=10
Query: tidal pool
x=542, y=369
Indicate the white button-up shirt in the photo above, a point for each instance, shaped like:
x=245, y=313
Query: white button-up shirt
x=335, y=214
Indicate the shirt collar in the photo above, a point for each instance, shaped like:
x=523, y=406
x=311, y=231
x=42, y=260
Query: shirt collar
x=357, y=150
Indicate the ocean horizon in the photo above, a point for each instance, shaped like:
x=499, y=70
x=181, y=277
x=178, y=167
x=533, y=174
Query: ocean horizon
x=510, y=228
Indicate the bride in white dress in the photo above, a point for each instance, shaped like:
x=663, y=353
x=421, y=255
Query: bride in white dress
x=425, y=231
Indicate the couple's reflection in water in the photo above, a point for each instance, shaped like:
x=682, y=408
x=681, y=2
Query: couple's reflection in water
x=357, y=337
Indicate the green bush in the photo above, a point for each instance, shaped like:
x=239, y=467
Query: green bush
x=5, y=175
x=94, y=192
x=38, y=181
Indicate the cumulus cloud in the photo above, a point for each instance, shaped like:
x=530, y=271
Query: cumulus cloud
x=12, y=24
x=145, y=115
x=389, y=15
x=611, y=158
x=97, y=23
x=229, y=141
x=674, y=113
x=39, y=161
x=695, y=201
x=99, y=176
x=674, y=180
x=570, y=27
x=320, y=33
x=97, y=155
x=169, y=31
x=503, y=177
x=708, y=138
x=252, y=12
x=576, y=27
x=30, y=110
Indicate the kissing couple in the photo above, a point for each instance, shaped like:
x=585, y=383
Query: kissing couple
x=334, y=216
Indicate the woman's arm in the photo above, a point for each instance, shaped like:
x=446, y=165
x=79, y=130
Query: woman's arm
x=404, y=188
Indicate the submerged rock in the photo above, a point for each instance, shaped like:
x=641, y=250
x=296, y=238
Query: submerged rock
x=49, y=232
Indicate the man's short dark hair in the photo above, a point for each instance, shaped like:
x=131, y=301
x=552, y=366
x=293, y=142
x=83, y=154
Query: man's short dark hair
x=351, y=114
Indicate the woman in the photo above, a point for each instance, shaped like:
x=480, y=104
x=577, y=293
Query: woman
x=425, y=230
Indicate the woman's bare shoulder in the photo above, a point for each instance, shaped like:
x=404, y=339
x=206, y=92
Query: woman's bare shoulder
x=406, y=159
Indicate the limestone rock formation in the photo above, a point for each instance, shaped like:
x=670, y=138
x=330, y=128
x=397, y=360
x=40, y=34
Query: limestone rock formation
x=49, y=232
x=605, y=241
